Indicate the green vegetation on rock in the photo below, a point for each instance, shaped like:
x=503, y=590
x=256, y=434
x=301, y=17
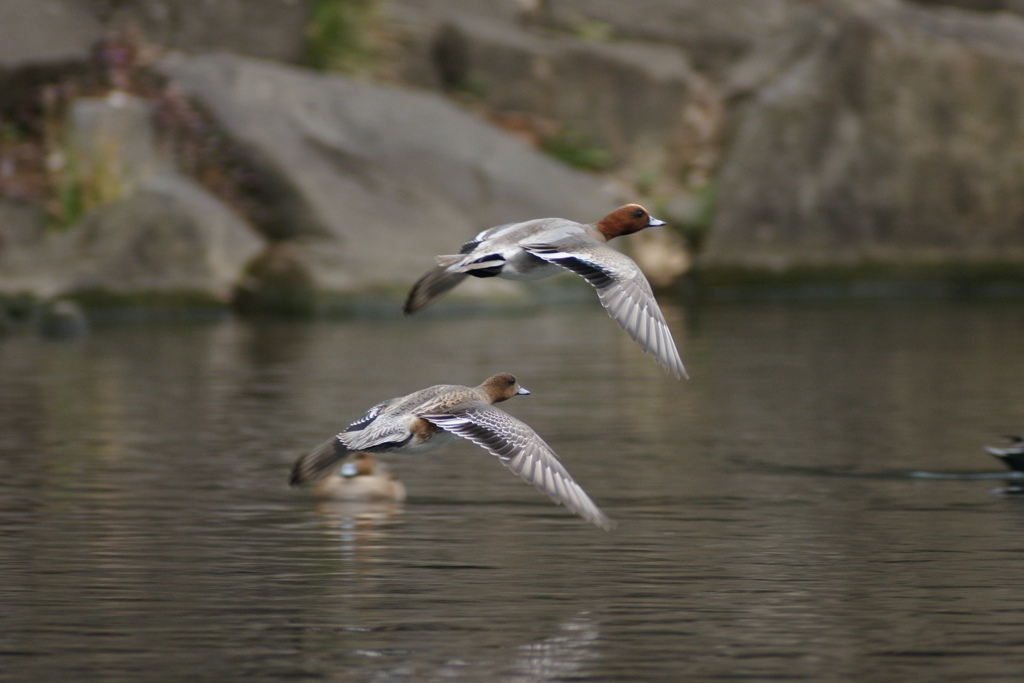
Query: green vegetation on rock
x=576, y=148
x=340, y=36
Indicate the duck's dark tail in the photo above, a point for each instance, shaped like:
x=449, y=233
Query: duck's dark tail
x=434, y=284
x=315, y=463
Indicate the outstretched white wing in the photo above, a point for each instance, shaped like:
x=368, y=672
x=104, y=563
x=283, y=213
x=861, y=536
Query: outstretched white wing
x=522, y=451
x=625, y=294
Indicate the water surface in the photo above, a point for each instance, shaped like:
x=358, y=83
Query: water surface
x=813, y=504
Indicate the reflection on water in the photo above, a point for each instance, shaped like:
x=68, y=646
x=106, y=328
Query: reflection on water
x=564, y=655
x=357, y=527
x=813, y=504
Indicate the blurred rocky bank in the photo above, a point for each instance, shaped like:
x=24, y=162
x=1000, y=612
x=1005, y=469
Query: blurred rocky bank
x=170, y=154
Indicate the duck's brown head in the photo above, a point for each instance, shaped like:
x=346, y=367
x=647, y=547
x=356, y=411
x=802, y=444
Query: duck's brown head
x=502, y=386
x=626, y=220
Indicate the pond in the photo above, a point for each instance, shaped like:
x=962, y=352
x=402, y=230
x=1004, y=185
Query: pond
x=813, y=504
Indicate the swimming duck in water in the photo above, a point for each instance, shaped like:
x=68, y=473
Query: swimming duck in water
x=360, y=477
x=1013, y=455
x=428, y=419
x=544, y=247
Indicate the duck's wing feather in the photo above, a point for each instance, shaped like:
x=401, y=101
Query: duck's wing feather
x=383, y=434
x=521, y=450
x=317, y=462
x=390, y=424
x=434, y=284
x=371, y=415
x=623, y=291
x=378, y=429
x=375, y=431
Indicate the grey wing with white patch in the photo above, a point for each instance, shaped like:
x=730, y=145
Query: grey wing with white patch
x=378, y=430
x=625, y=294
x=522, y=451
x=380, y=436
x=483, y=236
x=370, y=416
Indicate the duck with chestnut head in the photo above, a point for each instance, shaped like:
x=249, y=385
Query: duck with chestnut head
x=543, y=247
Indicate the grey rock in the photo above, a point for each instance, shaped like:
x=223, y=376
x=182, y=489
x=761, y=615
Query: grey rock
x=35, y=32
x=713, y=35
x=41, y=42
x=277, y=282
x=155, y=230
x=380, y=178
x=169, y=235
x=271, y=29
x=889, y=132
x=112, y=137
x=22, y=225
x=628, y=98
